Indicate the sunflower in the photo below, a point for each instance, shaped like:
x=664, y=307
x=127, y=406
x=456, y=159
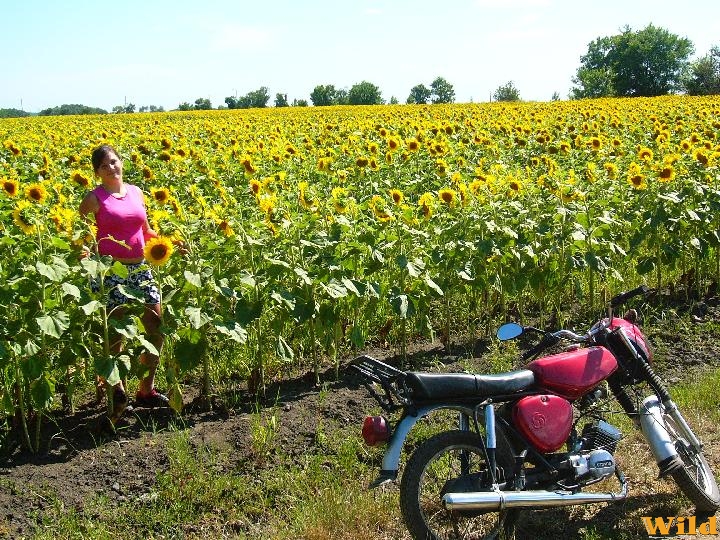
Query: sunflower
x=426, y=204
x=379, y=208
x=645, y=154
x=667, y=173
x=514, y=186
x=80, y=179
x=158, y=250
x=226, y=228
x=611, y=170
x=397, y=196
x=393, y=144
x=22, y=218
x=635, y=177
x=36, y=192
x=442, y=167
x=324, y=164
x=160, y=195
x=10, y=187
x=701, y=157
x=267, y=202
x=339, y=199
x=255, y=186
x=412, y=144
x=448, y=196
x=147, y=173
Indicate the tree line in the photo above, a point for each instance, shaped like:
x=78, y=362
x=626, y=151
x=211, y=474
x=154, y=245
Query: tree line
x=647, y=62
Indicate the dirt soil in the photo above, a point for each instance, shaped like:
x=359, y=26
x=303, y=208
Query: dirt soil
x=80, y=461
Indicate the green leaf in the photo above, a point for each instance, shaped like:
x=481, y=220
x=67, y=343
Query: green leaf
x=413, y=268
x=42, y=392
x=233, y=330
x=645, y=265
x=434, y=286
x=335, y=289
x=284, y=298
x=53, y=326
x=106, y=367
x=303, y=275
x=246, y=311
x=283, y=350
x=119, y=269
x=55, y=272
x=149, y=346
x=193, y=279
x=130, y=292
x=175, y=397
x=197, y=317
x=403, y=305
x=189, y=349
x=71, y=290
x=91, y=307
x=357, y=337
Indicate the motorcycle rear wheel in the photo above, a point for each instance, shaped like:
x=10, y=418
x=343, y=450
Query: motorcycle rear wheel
x=695, y=479
x=450, y=460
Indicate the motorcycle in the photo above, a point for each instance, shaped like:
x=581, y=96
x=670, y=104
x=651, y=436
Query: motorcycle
x=532, y=438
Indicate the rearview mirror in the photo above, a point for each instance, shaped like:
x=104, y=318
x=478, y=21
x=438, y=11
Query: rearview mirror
x=509, y=331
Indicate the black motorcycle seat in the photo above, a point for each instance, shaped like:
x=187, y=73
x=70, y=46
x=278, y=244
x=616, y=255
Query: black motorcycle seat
x=435, y=386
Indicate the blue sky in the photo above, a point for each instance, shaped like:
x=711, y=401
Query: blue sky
x=164, y=52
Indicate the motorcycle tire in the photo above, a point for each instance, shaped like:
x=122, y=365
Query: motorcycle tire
x=451, y=460
x=695, y=478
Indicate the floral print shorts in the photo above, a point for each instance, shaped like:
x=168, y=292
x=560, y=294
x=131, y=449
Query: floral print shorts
x=139, y=280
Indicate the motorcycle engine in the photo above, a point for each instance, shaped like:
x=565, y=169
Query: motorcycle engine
x=595, y=461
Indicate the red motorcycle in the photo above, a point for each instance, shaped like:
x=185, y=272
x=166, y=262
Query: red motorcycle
x=532, y=438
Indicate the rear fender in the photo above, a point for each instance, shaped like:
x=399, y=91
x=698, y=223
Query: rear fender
x=391, y=460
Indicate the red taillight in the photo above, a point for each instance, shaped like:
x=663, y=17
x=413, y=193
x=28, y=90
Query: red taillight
x=375, y=430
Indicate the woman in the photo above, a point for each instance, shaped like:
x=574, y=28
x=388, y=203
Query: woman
x=122, y=230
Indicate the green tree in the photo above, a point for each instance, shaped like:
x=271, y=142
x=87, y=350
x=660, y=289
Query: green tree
x=364, y=93
x=341, y=97
x=202, y=104
x=256, y=99
x=68, y=109
x=300, y=103
x=507, y=92
x=323, y=95
x=442, y=91
x=184, y=106
x=703, y=75
x=648, y=62
x=13, y=113
x=419, y=95
x=281, y=100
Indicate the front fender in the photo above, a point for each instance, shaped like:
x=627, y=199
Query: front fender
x=391, y=459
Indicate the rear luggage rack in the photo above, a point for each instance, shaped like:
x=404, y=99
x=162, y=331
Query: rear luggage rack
x=392, y=381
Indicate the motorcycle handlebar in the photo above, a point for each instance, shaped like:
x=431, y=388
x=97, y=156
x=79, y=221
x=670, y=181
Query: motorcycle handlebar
x=623, y=297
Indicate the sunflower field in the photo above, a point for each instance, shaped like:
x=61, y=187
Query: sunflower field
x=313, y=231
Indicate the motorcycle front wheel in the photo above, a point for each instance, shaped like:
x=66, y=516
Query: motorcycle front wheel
x=452, y=461
x=695, y=478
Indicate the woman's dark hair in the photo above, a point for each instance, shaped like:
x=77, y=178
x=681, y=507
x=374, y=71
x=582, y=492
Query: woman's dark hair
x=100, y=153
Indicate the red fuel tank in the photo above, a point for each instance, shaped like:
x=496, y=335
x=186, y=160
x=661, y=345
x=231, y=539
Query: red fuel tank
x=545, y=421
x=572, y=374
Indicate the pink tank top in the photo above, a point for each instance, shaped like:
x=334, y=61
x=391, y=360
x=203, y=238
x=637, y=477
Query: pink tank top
x=123, y=219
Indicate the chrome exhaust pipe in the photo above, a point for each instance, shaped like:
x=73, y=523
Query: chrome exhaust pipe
x=500, y=500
